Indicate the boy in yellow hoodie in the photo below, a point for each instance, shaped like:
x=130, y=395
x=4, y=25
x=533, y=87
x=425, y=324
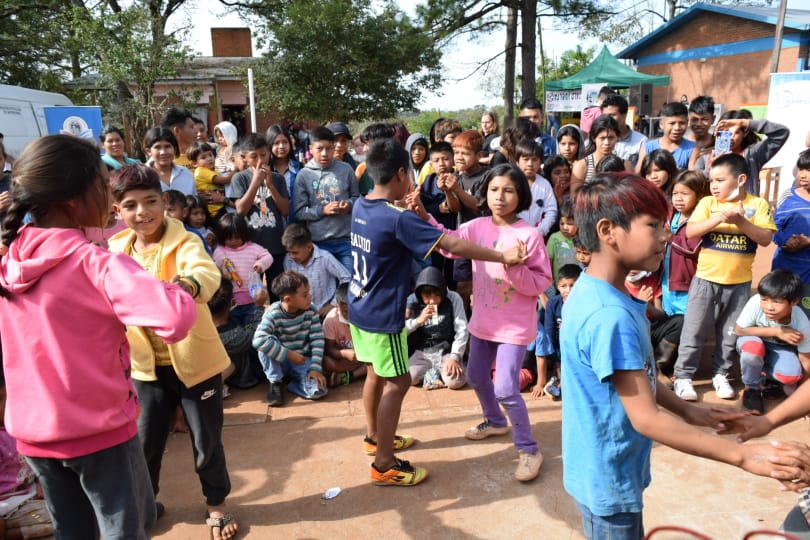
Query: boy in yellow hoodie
x=186, y=373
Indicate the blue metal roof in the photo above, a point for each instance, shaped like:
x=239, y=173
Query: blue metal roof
x=796, y=19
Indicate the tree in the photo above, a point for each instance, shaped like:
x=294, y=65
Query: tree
x=448, y=19
x=125, y=50
x=341, y=60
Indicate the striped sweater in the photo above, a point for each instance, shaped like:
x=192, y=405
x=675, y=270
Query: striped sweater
x=280, y=332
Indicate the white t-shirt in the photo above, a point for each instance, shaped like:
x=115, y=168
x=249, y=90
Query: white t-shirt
x=752, y=315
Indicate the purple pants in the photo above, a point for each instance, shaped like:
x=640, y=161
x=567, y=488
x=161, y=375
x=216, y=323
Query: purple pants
x=505, y=390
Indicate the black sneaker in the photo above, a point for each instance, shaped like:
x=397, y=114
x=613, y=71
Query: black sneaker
x=752, y=401
x=274, y=398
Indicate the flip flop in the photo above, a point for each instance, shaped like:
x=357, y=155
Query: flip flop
x=220, y=523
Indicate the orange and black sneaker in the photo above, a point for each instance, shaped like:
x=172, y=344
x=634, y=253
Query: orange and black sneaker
x=401, y=442
x=402, y=473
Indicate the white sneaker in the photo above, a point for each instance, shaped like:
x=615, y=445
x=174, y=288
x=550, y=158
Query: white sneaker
x=722, y=387
x=528, y=465
x=683, y=389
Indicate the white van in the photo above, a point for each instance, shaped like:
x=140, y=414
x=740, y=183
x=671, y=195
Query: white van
x=22, y=118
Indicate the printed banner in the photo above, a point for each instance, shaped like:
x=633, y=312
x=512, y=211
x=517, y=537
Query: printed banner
x=563, y=101
x=789, y=104
x=79, y=121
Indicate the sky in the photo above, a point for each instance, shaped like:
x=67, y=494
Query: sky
x=460, y=89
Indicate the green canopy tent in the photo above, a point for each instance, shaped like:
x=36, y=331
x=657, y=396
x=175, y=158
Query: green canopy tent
x=606, y=69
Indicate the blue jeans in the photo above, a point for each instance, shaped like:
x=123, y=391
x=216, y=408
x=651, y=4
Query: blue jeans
x=341, y=248
x=109, y=489
x=623, y=526
x=779, y=362
x=299, y=385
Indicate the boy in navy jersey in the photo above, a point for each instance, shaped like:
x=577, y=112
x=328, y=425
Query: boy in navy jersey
x=385, y=238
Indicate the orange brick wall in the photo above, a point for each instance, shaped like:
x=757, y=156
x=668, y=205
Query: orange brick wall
x=231, y=42
x=731, y=80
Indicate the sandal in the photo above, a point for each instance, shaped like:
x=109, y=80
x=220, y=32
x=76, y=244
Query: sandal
x=221, y=523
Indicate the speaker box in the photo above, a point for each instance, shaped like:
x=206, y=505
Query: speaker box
x=641, y=98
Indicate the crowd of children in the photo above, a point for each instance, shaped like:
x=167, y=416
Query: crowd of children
x=419, y=265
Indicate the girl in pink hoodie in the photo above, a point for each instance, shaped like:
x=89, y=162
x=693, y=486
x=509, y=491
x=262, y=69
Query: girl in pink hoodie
x=64, y=306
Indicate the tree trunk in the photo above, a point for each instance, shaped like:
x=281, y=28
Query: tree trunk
x=528, y=65
x=509, y=67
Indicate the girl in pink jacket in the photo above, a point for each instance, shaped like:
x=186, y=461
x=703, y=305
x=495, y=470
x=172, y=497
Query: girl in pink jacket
x=64, y=305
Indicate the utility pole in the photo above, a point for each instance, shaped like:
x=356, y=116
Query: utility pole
x=780, y=28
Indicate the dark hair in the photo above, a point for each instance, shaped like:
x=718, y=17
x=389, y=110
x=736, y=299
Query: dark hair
x=321, y=133
x=573, y=132
x=674, y=108
x=252, y=142
x=197, y=120
x=197, y=149
x=619, y=198
x=664, y=160
x=132, y=177
x=606, y=91
x=373, y=132
x=552, y=162
x=111, y=129
x=176, y=198
x=750, y=136
x=274, y=132
x=231, y=226
x=578, y=243
x=195, y=202
x=175, y=116
x=566, y=210
x=160, y=134
x=43, y=179
x=694, y=180
x=737, y=165
x=517, y=177
x=470, y=139
x=615, y=100
x=702, y=105
x=610, y=163
x=569, y=271
x=441, y=146
x=401, y=132
x=2, y=151
x=296, y=234
x=603, y=123
x=522, y=128
x=803, y=163
x=781, y=284
x=528, y=148
x=384, y=158
x=530, y=103
x=222, y=299
x=342, y=293
x=288, y=282
x=432, y=132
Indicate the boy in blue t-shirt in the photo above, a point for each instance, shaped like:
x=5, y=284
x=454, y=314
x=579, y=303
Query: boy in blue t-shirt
x=611, y=415
x=385, y=238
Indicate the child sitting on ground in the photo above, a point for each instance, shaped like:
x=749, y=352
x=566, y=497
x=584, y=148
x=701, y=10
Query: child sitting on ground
x=245, y=370
x=773, y=338
x=290, y=341
x=437, y=332
x=340, y=362
x=321, y=268
x=548, y=359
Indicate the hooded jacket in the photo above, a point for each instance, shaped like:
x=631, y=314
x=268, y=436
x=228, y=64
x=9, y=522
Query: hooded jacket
x=413, y=139
x=67, y=361
x=447, y=328
x=314, y=187
x=200, y=355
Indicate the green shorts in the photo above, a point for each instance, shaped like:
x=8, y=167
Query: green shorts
x=387, y=353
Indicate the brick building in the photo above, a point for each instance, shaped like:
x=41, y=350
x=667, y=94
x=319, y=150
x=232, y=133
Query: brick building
x=222, y=95
x=722, y=51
